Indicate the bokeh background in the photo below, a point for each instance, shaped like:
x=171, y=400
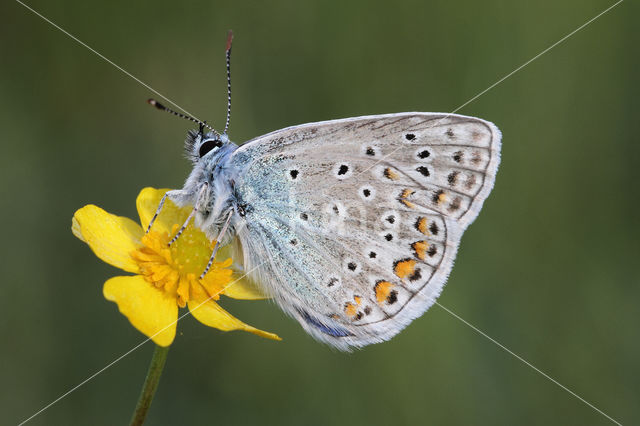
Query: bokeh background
x=549, y=269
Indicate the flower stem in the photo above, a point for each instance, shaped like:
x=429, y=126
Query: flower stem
x=150, y=385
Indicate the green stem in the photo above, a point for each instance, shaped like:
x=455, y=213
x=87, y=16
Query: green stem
x=150, y=385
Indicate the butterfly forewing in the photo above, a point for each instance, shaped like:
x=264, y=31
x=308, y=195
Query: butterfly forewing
x=356, y=222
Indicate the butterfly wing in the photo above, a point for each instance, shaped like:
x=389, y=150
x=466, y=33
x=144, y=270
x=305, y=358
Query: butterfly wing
x=354, y=224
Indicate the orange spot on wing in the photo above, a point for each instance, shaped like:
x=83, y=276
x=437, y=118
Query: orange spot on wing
x=357, y=299
x=406, y=194
x=420, y=249
x=382, y=289
x=422, y=225
x=389, y=173
x=404, y=268
x=350, y=309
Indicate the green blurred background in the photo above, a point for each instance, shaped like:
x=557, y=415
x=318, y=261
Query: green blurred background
x=550, y=268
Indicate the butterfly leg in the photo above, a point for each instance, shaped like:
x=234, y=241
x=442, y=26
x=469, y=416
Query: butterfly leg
x=159, y=209
x=193, y=212
x=217, y=245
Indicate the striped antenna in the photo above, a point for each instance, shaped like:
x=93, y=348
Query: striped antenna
x=228, y=55
x=161, y=107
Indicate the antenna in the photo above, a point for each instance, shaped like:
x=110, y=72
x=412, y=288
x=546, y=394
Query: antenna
x=228, y=55
x=195, y=120
x=161, y=107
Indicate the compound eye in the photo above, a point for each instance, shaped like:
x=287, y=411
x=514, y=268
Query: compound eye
x=208, y=146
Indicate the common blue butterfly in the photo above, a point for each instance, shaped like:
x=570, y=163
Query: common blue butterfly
x=351, y=225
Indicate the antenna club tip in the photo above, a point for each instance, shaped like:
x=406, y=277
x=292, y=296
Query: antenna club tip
x=229, y=39
x=154, y=103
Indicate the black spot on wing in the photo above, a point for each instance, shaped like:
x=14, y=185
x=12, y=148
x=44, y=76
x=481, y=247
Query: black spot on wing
x=423, y=170
x=424, y=154
x=417, y=274
x=434, y=228
x=452, y=178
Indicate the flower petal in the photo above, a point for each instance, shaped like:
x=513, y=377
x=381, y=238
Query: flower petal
x=112, y=238
x=147, y=204
x=243, y=288
x=240, y=287
x=211, y=314
x=152, y=311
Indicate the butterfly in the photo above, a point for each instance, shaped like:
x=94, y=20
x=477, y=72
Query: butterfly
x=350, y=225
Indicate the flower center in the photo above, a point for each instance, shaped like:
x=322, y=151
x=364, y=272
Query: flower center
x=176, y=269
x=191, y=251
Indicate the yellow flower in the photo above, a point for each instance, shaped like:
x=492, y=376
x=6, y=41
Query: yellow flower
x=167, y=277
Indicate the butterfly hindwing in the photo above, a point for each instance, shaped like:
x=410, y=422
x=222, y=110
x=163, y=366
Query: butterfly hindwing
x=356, y=222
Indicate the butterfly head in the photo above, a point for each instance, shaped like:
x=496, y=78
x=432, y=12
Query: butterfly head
x=200, y=146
